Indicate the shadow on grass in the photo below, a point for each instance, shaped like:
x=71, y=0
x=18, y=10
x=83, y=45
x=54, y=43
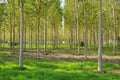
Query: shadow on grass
x=55, y=70
x=1, y=62
x=14, y=74
x=22, y=69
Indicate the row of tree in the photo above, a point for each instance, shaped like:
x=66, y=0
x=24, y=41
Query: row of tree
x=97, y=26
x=26, y=20
x=87, y=18
x=40, y=22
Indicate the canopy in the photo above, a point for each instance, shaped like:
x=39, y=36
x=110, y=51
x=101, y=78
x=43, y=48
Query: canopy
x=3, y=1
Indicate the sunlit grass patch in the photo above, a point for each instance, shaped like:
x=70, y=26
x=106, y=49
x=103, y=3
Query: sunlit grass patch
x=57, y=70
x=8, y=65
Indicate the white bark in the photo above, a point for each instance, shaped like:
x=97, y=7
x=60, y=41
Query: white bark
x=85, y=31
x=77, y=25
x=38, y=32
x=115, y=29
x=21, y=35
x=100, y=37
x=45, y=32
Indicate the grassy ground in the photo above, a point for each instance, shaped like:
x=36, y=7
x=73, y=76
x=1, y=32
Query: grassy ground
x=55, y=69
x=63, y=48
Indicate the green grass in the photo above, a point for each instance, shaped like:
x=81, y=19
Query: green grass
x=64, y=48
x=4, y=54
x=57, y=70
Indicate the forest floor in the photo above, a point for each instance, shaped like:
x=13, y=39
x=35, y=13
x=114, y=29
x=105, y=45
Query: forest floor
x=58, y=66
x=75, y=57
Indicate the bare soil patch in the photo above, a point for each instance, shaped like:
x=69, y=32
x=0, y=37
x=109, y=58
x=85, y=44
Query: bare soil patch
x=117, y=71
x=64, y=56
x=72, y=57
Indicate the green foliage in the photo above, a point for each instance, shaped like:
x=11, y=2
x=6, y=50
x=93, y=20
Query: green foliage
x=3, y=13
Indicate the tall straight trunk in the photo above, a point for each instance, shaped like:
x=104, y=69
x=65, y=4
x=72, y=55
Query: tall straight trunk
x=77, y=25
x=45, y=31
x=4, y=36
x=118, y=28
x=85, y=31
x=45, y=37
x=115, y=28
x=94, y=36
x=25, y=33
x=52, y=33
x=94, y=29
x=107, y=35
x=38, y=32
x=52, y=36
x=118, y=35
x=74, y=38
x=31, y=40
x=11, y=32
x=70, y=38
x=29, y=37
x=100, y=37
x=90, y=37
x=13, y=26
x=0, y=36
x=109, y=43
x=21, y=34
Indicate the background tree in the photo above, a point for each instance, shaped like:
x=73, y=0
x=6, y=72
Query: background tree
x=115, y=27
x=85, y=30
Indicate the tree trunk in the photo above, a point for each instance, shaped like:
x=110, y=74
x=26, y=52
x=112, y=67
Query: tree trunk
x=45, y=37
x=31, y=40
x=100, y=37
x=53, y=36
x=38, y=32
x=94, y=36
x=25, y=33
x=115, y=29
x=13, y=26
x=45, y=32
x=90, y=37
x=29, y=36
x=11, y=32
x=0, y=36
x=85, y=31
x=21, y=34
x=4, y=36
x=77, y=25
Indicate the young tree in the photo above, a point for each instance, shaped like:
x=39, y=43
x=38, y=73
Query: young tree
x=85, y=31
x=45, y=29
x=100, y=37
x=77, y=24
x=115, y=28
x=14, y=25
x=38, y=32
x=21, y=34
